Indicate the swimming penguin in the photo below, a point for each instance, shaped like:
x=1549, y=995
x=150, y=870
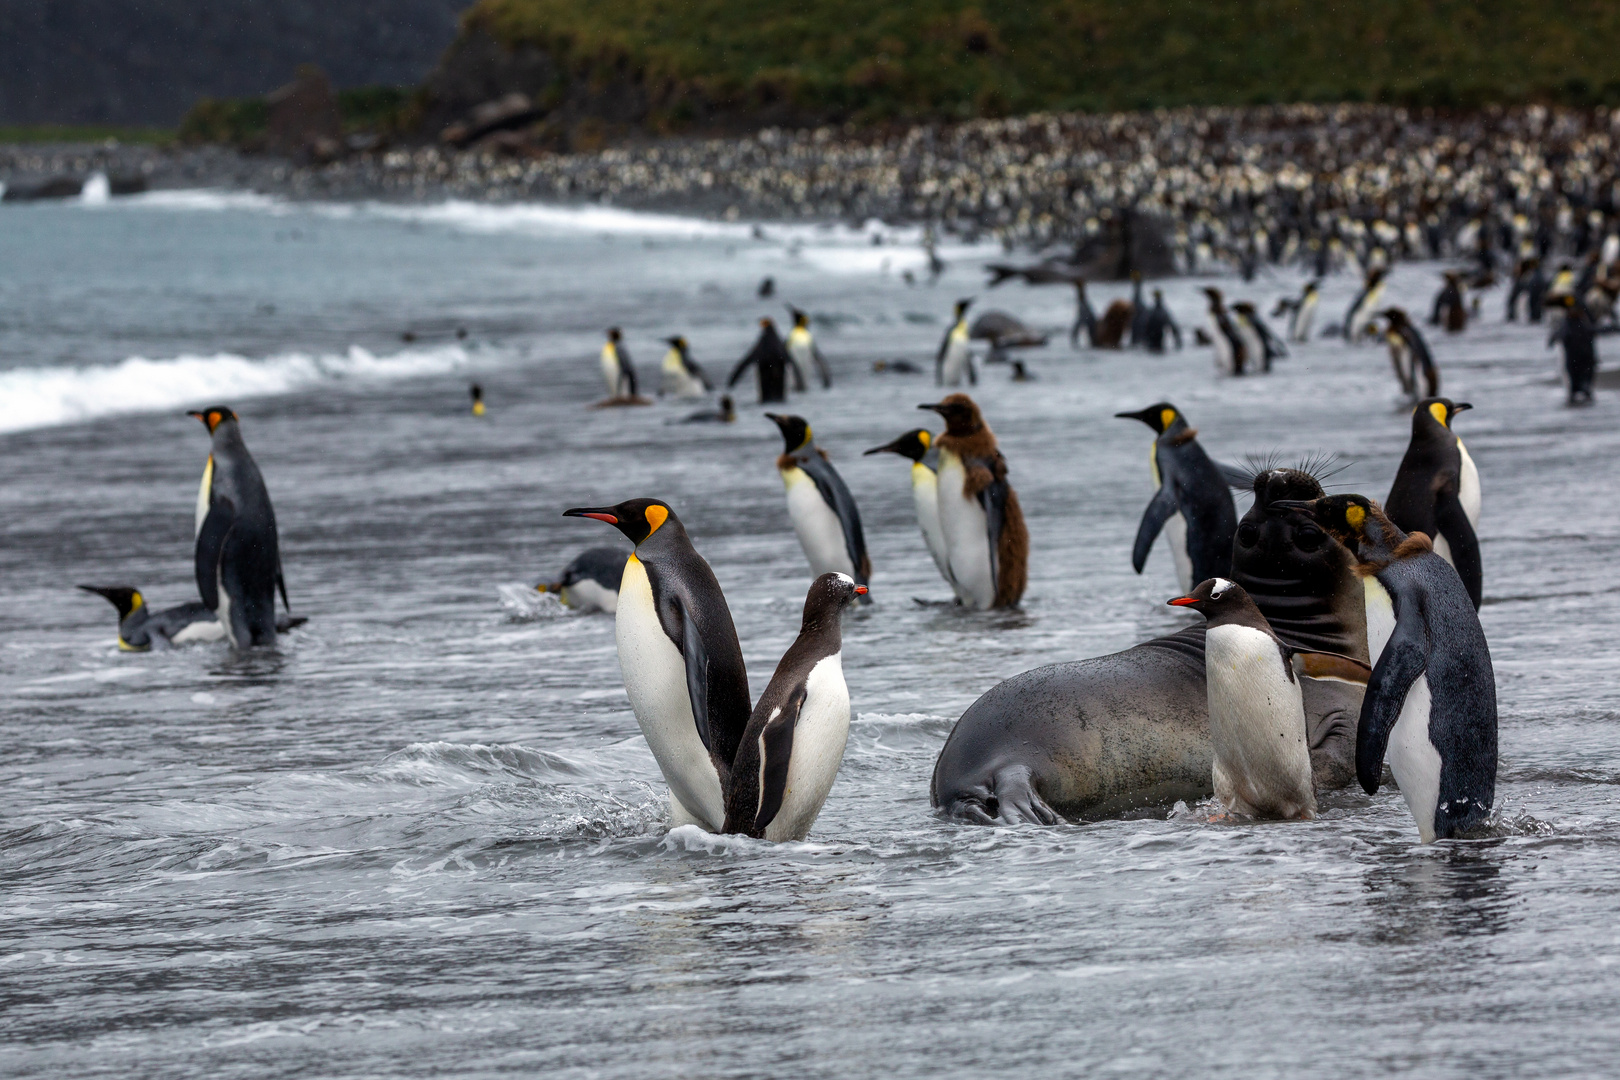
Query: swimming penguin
x=1258, y=339
x=725, y=414
x=617, y=370
x=1431, y=701
x=895, y=367
x=237, y=553
x=591, y=581
x=1409, y=354
x=1436, y=490
x=955, y=357
x=682, y=376
x=801, y=346
x=683, y=668
x=1575, y=332
x=1231, y=351
x=477, y=394
x=1449, y=310
x=1192, y=502
x=823, y=511
x=1362, y=307
x=1084, y=318
x=1159, y=323
x=986, y=541
x=795, y=738
x=141, y=629
x=1262, y=762
x=771, y=362
x=918, y=446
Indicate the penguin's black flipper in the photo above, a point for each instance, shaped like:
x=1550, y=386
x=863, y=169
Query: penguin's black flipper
x=1236, y=475
x=836, y=495
x=1402, y=664
x=697, y=676
x=211, y=546
x=281, y=583
x=1160, y=510
x=821, y=366
x=1454, y=525
x=776, y=744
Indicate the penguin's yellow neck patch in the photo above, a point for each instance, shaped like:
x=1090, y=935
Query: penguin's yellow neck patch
x=135, y=601
x=124, y=646
x=926, y=438
x=1355, y=515
x=478, y=408
x=1167, y=417
x=656, y=516
x=1438, y=411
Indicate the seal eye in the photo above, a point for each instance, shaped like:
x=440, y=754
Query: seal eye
x=1309, y=538
x=1248, y=534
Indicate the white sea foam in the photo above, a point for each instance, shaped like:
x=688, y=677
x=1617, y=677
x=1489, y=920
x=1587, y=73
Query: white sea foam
x=96, y=190
x=33, y=397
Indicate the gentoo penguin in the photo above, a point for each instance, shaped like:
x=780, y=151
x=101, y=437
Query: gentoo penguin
x=955, y=357
x=1257, y=336
x=795, y=739
x=1301, y=311
x=770, y=359
x=237, y=553
x=1579, y=338
x=1231, y=351
x=1436, y=490
x=986, y=541
x=1192, y=502
x=678, y=651
x=1159, y=323
x=141, y=629
x=918, y=445
x=1431, y=701
x=1084, y=318
x=823, y=511
x=1449, y=310
x=1409, y=354
x=725, y=414
x=1262, y=762
x=682, y=376
x=617, y=370
x=477, y=394
x=1139, y=312
x=591, y=581
x=801, y=347
x=1362, y=307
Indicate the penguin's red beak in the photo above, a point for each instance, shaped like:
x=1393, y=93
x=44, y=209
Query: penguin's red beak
x=609, y=518
x=861, y=590
x=1182, y=601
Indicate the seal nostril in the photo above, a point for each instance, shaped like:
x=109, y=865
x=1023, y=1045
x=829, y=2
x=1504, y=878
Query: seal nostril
x=992, y=806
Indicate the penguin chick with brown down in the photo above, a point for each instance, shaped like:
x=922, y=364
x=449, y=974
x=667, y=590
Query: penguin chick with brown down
x=794, y=742
x=979, y=516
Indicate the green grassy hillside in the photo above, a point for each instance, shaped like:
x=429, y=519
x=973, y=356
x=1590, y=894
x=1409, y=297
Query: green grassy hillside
x=907, y=59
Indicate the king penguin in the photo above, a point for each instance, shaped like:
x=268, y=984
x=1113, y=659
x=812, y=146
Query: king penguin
x=918, y=446
x=237, y=552
x=771, y=362
x=1436, y=491
x=1192, y=502
x=1231, y=352
x=683, y=668
x=801, y=346
x=591, y=581
x=823, y=511
x=1430, y=704
x=1410, y=355
x=140, y=629
x=795, y=739
x=476, y=392
x=955, y=357
x=1363, y=306
x=617, y=370
x=681, y=374
x=986, y=541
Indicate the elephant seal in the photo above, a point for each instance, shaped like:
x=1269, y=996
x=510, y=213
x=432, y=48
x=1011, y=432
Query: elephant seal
x=1096, y=738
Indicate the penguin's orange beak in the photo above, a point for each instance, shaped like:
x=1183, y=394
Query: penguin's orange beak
x=1182, y=601
x=599, y=515
x=609, y=518
x=861, y=590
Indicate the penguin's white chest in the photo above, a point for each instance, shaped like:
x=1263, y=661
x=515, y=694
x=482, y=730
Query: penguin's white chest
x=201, y=630
x=1256, y=726
x=1304, y=318
x=655, y=680
x=958, y=354
x=610, y=369
x=1364, y=312
x=1225, y=355
x=679, y=381
x=1468, y=485
x=1380, y=617
x=925, y=497
x=204, y=495
x=818, y=749
x=1252, y=345
x=819, y=529
x=967, y=536
x=1413, y=759
x=588, y=594
x=1175, y=530
x=799, y=350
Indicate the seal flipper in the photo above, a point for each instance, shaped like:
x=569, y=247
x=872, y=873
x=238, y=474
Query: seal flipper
x=211, y=547
x=775, y=753
x=1160, y=510
x=1402, y=664
x=1007, y=797
x=697, y=680
x=1454, y=525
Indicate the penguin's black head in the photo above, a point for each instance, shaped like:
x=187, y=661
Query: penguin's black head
x=1158, y=296
x=961, y=415
x=913, y=444
x=213, y=416
x=614, y=335
x=795, y=430
x=1213, y=597
x=122, y=597
x=1352, y=520
x=676, y=342
x=727, y=409
x=637, y=519
x=1442, y=409
x=830, y=594
x=800, y=318
x=476, y=391
x=962, y=306
x=1214, y=295
x=1158, y=417
x=1396, y=317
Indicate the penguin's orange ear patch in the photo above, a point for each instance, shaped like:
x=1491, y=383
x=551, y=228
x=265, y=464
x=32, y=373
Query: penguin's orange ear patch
x=1355, y=515
x=1438, y=411
x=1167, y=417
x=656, y=516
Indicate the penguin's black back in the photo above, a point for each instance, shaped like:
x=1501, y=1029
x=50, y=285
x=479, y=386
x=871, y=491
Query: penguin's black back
x=603, y=565
x=1205, y=500
x=1431, y=470
x=249, y=563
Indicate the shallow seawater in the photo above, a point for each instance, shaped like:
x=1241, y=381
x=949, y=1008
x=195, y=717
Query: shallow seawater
x=423, y=836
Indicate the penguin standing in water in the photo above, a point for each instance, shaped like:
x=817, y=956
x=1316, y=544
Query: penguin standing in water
x=591, y=581
x=238, y=554
x=1579, y=338
x=682, y=376
x=955, y=358
x=1159, y=323
x=1231, y=351
x=1139, y=312
x=1362, y=307
x=1530, y=282
x=617, y=370
x=985, y=537
x=1084, y=318
x=1449, y=310
x=794, y=743
x=919, y=447
x=801, y=346
x=1301, y=311
x=1262, y=761
x=140, y=629
x=822, y=509
x=1431, y=702
x=477, y=394
x=771, y=363
x=683, y=668
x=1436, y=490
x=1192, y=502
x=1409, y=354
x=1257, y=336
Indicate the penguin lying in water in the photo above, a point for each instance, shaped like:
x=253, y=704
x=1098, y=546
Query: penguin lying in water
x=725, y=414
x=794, y=743
x=591, y=581
x=1430, y=705
x=1192, y=501
x=1436, y=491
x=823, y=511
x=919, y=447
x=140, y=629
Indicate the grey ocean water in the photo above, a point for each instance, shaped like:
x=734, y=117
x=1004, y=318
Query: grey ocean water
x=423, y=837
